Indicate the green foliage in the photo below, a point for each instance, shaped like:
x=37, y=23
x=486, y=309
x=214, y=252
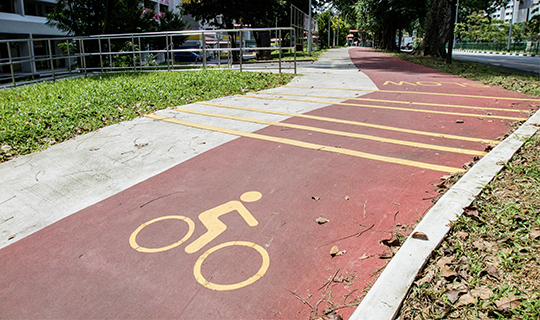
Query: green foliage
x=247, y=12
x=36, y=116
x=531, y=30
x=480, y=28
x=92, y=17
x=335, y=24
x=467, y=7
x=383, y=18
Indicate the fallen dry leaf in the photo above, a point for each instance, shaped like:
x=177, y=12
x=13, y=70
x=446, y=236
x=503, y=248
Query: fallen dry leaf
x=94, y=149
x=363, y=257
x=454, y=294
x=463, y=235
x=321, y=220
x=470, y=212
x=316, y=198
x=11, y=237
x=392, y=242
x=465, y=300
x=426, y=278
x=506, y=303
x=334, y=250
x=447, y=272
x=340, y=253
x=386, y=255
x=330, y=316
x=444, y=261
x=483, y=293
x=420, y=236
x=347, y=198
x=535, y=233
x=482, y=245
x=492, y=271
x=460, y=121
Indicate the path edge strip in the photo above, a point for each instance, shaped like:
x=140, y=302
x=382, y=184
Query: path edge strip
x=384, y=299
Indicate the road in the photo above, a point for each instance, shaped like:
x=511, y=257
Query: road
x=522, y=63
x=269, y=205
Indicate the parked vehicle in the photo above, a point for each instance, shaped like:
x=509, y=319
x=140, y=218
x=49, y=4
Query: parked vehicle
x=224, y=54
x=187, y=56
x=408, y=46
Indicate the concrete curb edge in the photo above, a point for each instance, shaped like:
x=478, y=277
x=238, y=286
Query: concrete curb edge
x=493, y=52
x=384, y=299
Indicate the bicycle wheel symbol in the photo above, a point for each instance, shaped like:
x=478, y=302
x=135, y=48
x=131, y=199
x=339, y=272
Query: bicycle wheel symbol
x=215, y=227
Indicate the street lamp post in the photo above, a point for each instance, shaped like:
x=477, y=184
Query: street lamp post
x=309, y=39
x=511, y=22
x=457, y=13
x=329, y=16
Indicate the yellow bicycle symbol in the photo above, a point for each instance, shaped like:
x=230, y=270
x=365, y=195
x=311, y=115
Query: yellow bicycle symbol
x=210, y=219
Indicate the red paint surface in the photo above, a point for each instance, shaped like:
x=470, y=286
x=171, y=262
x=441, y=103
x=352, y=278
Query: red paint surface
x=84, y=267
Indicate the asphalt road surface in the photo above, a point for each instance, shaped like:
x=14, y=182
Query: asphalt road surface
x=528, y=64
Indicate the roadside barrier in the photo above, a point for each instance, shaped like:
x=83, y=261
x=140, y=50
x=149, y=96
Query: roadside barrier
x=41, y=59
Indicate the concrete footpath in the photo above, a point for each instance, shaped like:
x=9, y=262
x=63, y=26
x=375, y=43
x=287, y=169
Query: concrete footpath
x=270, y=205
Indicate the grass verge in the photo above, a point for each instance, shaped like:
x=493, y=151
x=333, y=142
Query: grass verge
x=36, y=116
x=492, y=76
x=488, y=266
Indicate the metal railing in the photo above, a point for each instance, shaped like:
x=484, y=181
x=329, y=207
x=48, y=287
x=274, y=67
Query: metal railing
x=518, y=47
x=39, y=59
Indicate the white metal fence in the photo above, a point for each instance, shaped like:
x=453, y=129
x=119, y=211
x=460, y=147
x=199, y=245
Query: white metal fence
x=31, y=60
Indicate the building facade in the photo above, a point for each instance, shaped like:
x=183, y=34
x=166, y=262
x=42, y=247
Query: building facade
x=522, y=13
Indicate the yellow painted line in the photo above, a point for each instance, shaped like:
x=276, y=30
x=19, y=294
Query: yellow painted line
x=312, y=146
x=339, y=133
x=415, y=92
x=394, y=101
x=356, y=123
x=461, y=114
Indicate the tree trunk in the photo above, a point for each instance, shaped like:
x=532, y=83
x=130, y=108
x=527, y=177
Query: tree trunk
x=453, y=9
x=388, y=39
x=436, y=33
x=263, y=40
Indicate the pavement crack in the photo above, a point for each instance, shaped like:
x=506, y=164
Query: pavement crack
x=40, y=171
x=160, y=197
x=5, y=220
x=8, y=200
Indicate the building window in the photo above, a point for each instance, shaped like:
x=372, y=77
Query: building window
x=7, y=6
x=37, y=8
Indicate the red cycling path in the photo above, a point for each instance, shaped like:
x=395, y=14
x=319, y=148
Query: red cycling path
x=273, y=260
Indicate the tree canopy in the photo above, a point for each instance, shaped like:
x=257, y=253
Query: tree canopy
x=383, y=18
x=440, y=23
x=91, y=17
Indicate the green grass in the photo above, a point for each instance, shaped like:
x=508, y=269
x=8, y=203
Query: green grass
x=299, y=55
x=36, y=116
x=492, y=76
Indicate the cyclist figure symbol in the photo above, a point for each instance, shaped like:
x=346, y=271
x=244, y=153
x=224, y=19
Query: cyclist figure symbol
x=210, y=219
